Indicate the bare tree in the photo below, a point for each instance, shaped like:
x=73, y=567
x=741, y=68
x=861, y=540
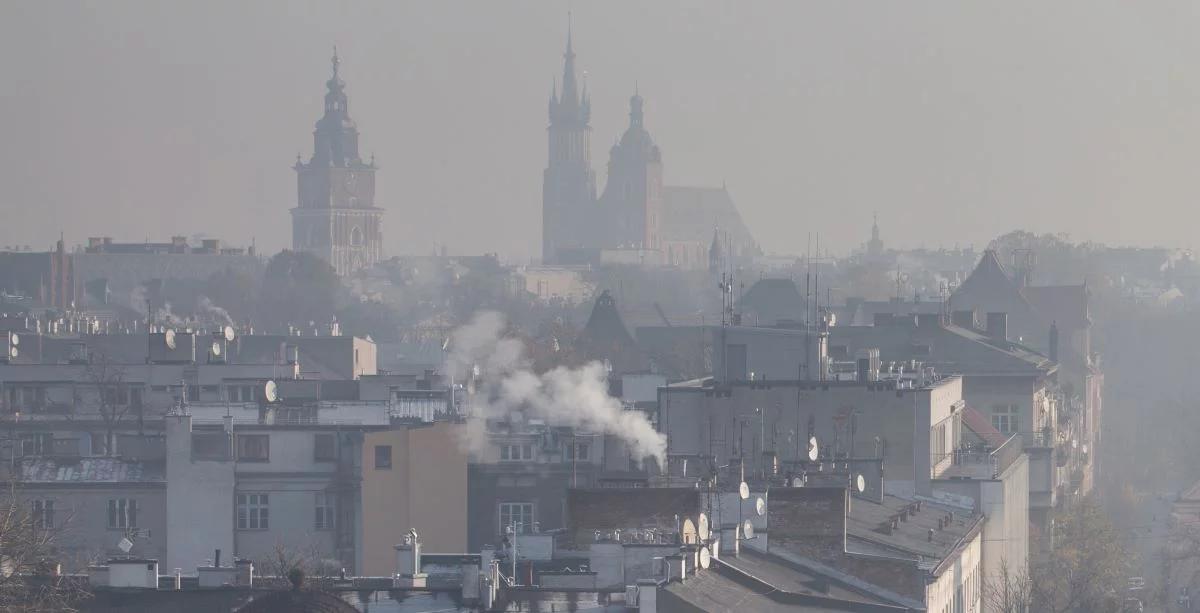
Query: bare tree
x=29, y=577
x=1011, y=591
x=1087, y=567
x=107, y=379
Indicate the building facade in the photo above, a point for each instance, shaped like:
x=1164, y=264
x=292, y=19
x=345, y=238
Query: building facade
x=335, y=216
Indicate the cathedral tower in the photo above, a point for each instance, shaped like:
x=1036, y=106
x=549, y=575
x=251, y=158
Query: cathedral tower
x=632, y=199
x=568, y=184
x=335, y=215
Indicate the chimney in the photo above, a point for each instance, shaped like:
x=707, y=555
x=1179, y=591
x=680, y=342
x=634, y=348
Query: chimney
x=245, y=573
x=964, y=319
x=1054, y=341
x=997, y=326
x=408, y=563
x=867, y=364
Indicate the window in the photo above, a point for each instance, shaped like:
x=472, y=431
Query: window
x=325, y=509
x=383, y=457
x=1004, y=418
x=253, y=447
x=578, y=451
x=210, y=446
x=240, y=393
x=519, y=512
x=516, y=453
x=324, y=449
x=122, y=513
x=117, y=395
x=938, y=444
x=37, y=443
x=43, y=513
x=253, y=512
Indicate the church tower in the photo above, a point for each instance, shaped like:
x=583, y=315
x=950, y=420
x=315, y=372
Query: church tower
x=632, y=200
x=335, y=216
x=568, y=184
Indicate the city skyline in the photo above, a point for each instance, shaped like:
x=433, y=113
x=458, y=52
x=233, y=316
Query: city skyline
x=943, y=119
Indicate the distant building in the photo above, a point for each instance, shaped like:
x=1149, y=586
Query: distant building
x=47, y=277
x=335, y=216
x=636, y=220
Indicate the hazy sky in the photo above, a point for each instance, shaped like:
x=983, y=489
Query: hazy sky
x=956, y=121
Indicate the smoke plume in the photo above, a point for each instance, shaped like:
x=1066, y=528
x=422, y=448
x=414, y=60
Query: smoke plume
x=505, y=385
x=218, y=314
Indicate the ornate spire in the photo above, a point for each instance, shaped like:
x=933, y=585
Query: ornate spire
x=568, y=106
x=635, y=109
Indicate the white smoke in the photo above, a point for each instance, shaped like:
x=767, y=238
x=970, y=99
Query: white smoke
x=505, y=385
x=219, y=315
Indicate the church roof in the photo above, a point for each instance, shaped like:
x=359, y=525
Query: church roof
x=605, y=337
x=772, y=300
x=691, y=213
x=989, y=276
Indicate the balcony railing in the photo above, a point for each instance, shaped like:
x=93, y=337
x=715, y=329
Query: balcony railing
x=982, y=462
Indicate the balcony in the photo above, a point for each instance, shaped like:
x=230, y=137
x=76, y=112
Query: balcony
x=982, y=462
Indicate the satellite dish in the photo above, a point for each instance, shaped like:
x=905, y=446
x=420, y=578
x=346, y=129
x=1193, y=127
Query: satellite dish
x=813, y=452
x=705, y=558
x=689, y=532
x=271, y=391
x=702, y=527
x=1084, y=447
x=229, y=334
x=760, y=506
x=216, y=349
x=743, y=490
x=12, y=351
x=169, y=339
x=797, y=482
x=125, y=544
x=860, y=483
x=747, y=529
x=14, y=339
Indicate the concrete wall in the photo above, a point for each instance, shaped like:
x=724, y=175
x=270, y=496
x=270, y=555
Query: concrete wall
x=723, y=422
x=1005, y=503
x=425, y=490
x=959, y=586
x=621, y=509
x=199, y=501
x=81, y=515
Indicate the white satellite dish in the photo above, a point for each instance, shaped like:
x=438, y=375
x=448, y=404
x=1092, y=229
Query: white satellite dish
x=14, y=339
x=705, y=558
x=125, y=544
x=271, y=391
x=860, y=483
x=747, y=529
x=689, y=532
x=760, y=506
x=216, y=349
x=797, y=482
x=229, y=334
x=813, y=451
x=702, y=527
x=169, y=339
x=12, y=351
x=743, y=490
